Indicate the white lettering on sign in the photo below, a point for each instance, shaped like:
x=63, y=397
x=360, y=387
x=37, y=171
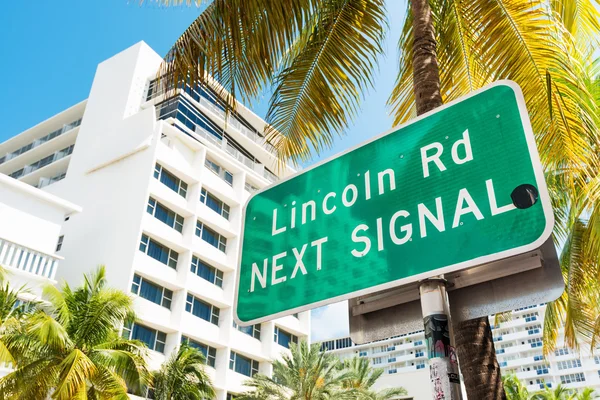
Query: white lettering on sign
x=437, y=220
x=275, y=230
x=398, y=229
x=438, y=149
x=280, y=269
x=493, y=203
x=465, y=197
x=435, y=157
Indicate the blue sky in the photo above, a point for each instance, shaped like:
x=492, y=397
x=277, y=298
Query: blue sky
x=50, y=50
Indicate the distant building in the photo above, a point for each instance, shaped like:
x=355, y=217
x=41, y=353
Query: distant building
x=518, y=344
x=30, y=237
x=162, y=180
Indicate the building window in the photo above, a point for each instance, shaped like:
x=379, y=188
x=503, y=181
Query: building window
x=243, y=365
x=537, y=342
x=284, y=338
x=202, y=309
x=151, y=291
x=207, y=272
x=155, y=340
x=568, y=364
x=159, y=252
x=572, y=378
x=561, y=352
x=211, y=237
x=252, y=330
x=162, y=213
x=220, y=171
x=210, y=353
x=231, y=396
x=214, y=203
x=60, y=243
x=170, y=180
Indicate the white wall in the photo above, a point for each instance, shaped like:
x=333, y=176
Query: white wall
x=30, y=217
x=110, y=169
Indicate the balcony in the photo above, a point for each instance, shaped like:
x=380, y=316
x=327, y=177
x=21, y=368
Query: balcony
x=27, y=260
x=40, y=141
x=28, y=169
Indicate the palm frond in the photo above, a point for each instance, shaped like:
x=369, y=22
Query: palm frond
x=318, y=90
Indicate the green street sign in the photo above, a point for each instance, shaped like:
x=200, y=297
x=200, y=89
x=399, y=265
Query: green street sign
x=454, y=188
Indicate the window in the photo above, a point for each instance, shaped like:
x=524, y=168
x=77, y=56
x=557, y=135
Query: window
x=541, y=369
x=537, y=342
x=155, y=340
x=207, y=272
x=165, y=215
x=151, y=291
x=214, y=203
x=571, y=378
x=284, y=338
x=170, y=180
x=59, y=243
x=210, y=353
x=421, y=365
x=597, y=359
x=220, y=171
x=243, y=365
x=562, y=352
x=533, y=329
x=419, y=354
x=392, y=370
x=567, y=364
x=211, y=237
x=252, y=330
x=159, y=252
x=362, y=354
x=230, y=396
x=418, y=343
x=202, y=309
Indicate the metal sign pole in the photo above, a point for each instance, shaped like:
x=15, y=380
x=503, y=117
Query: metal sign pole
x=443, y=363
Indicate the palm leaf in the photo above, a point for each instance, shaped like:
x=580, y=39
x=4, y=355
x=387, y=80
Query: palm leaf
x=319, y=88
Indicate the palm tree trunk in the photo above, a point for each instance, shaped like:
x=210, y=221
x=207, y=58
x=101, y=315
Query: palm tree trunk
x=474, y=341
x=477, y=358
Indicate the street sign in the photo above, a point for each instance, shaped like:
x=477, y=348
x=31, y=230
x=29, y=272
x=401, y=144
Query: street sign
x=457, y=187
x=531, y=278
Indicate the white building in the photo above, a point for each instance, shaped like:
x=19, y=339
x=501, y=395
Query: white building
x=30, y=225
x=163, y=183
x=518, y=344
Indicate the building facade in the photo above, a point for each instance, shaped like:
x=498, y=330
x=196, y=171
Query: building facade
x=163, y=180
x=30, y=241
x=518, y=344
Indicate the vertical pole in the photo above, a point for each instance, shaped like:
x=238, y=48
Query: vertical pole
x=443, y=362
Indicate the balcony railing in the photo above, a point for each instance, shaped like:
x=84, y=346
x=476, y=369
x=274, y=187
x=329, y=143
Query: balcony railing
x=27, y=260
x=40, y=141
x=43, y=162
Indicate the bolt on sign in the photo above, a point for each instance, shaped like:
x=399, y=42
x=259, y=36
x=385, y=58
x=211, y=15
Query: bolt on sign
x=457, y=187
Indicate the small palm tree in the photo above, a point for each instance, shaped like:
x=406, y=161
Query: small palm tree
x=559, y=393
x=306, y=374
x=183, y=377
x=71, y=349
x=587, y=394
x=514, y=388
x=12, y=312
x=363, y=377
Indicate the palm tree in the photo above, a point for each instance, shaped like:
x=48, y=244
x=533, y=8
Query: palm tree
x=12, y=312
x=306, y=373
x=515, y=390
x=586, y=394
x=320, y=57
x=72, y=349
x=183, y=377
x=559, y=393
x=362, y=379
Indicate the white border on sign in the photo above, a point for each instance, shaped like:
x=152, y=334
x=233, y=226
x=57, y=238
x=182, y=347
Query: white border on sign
x=541, y=186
